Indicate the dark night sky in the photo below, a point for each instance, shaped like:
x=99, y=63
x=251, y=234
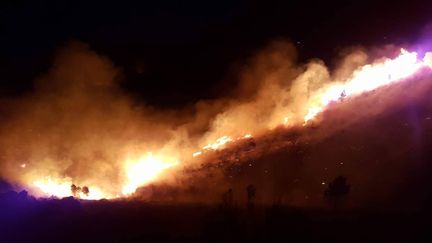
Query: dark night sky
x=175, y=52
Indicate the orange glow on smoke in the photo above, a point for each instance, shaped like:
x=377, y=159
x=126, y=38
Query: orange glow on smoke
x=62, y=188
x=218, y=143
x=142, y=169
x=145, y=170
x=368, y=78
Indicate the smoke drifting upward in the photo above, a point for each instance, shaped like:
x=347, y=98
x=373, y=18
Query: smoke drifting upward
x=78, y=127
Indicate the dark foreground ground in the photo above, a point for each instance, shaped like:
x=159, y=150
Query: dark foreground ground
x=24, y=219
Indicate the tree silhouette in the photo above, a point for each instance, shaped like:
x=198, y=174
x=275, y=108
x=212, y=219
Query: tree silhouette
x=75, y=190
x=251, y=191
x=337, y=190
x=227, y=198
x=85, y=190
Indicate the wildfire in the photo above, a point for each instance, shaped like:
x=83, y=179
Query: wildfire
x=62, y=188
x=218, y=143
x=144, y=170
x=368, y=78
x=138, y=172
x=198, y=153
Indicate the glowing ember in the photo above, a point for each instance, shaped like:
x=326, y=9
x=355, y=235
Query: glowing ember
x=197, y=154
x=222, y=141
x=219, y=143
x=144, y=170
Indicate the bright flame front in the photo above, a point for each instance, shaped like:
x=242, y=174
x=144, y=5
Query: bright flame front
x=141, y=170
x=368, y=78
x=144, y=170
x=62, y=188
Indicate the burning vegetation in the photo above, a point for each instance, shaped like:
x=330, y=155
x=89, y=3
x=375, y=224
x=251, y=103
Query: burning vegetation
x=79, y=135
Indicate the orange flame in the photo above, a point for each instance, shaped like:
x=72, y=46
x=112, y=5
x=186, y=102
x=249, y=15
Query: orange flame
x=62, y=188
x=142, y=170
x=368, y=78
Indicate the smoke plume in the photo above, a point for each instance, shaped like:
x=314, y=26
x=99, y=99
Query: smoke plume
x=78, y=127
